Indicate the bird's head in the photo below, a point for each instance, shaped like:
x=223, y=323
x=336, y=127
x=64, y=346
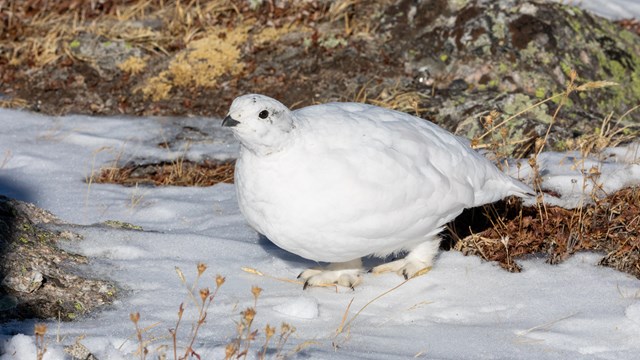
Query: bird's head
x=262, y=124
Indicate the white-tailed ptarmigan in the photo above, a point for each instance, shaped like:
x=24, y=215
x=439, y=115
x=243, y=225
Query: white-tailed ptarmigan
x=339, y=181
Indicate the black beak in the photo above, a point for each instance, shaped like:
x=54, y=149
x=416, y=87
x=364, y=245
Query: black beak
x=228, y=121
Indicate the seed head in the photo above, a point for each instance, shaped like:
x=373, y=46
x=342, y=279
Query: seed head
x=204, y=294
x=230, y=350
x=255, y=290
x=285, y=328
x=573, y=75
x=135, y=317
x=269, y=331
x=249, y=315
x=488, y=120
x=201, y=268
x=40, y=329
x=539, y=144
x=219, y=280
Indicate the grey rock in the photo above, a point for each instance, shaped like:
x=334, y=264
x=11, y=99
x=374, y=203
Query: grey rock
x=39, y=280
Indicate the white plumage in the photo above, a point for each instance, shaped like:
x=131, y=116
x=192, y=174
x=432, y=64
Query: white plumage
x=340, y=181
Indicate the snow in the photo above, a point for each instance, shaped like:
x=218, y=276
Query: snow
x=463, y=309
x=612, y=9
x=303, y=307
x=582, y=178
x=24, y=347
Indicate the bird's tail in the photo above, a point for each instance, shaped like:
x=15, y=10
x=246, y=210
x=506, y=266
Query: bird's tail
x=501, y=187
x=520, y=189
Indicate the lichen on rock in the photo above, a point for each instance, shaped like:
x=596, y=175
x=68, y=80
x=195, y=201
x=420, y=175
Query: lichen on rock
x=38, y=279
x=523, y=47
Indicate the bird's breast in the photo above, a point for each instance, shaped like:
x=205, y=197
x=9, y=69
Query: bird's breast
x=362, y=200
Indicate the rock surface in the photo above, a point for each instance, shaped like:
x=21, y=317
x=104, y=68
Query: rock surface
x=39, y=280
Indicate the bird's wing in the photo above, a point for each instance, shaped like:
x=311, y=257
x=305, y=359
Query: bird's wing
x=433, y=150
x=385, y=165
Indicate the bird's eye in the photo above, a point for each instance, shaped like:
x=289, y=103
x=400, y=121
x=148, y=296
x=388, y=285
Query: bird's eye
x=263, y=114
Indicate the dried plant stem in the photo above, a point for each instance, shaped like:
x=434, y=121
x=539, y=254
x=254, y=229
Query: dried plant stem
x=347, y=325
x=545, y=325
x=340, y=328
x=260, y=273
x=285, y=331
x=174, y=332
x=505, y=121
x=41, y=347
x=207, y=299
x=142, y=349
x=269, y=332
x=248, y=315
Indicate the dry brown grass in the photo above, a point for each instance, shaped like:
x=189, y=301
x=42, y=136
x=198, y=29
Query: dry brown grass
x=632, y=25
x=176, y=173
x=498, y=139
x=160, y=56
x=39, y=31
x=610, y=225
x=609, y=134
x=13, y=103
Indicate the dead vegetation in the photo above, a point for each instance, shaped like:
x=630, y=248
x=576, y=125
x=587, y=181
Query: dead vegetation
x=39, y=31
x=238, y=347
x=632, y=25
x=611, y=226
x=174, y=57
x=176, y=173
x=118, y=40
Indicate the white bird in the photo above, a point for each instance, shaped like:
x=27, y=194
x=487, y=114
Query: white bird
x=340, y=181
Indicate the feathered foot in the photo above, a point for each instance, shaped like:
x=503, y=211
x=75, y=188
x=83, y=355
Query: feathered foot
x=347, y=274
x=417, y=262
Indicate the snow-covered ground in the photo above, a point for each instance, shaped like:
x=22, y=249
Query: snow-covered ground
x=463, y=309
